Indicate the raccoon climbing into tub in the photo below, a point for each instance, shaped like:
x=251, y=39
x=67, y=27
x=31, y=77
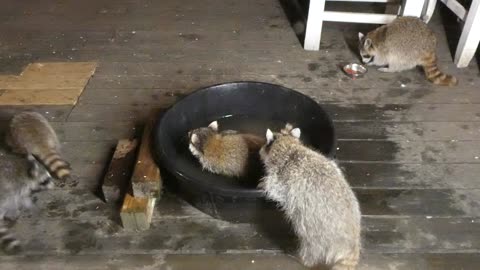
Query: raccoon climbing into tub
x=29, y=133
x=228, y=153
x=19, y=180
x=315, y=197
x=403, y=44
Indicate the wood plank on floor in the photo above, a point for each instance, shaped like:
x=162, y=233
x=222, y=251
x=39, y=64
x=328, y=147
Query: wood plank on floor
x=251, y=261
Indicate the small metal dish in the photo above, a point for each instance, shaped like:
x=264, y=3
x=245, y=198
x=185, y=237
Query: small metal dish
x=354, y=70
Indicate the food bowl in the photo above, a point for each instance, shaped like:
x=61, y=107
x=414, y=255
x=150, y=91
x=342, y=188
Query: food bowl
x=245, y=106
x=354, y=70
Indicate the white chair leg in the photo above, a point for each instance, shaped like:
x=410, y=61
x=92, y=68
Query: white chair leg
x=412, y=8
x=468, y=43
x=313, y=31
x=429, y=9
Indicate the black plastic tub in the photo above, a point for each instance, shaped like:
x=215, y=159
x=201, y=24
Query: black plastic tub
x=269, y=106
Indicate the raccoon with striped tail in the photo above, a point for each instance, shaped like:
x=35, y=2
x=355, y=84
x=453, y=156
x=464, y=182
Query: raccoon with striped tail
x=29, y=133
x=316, y=199
x=19, y=181
x=403, y=44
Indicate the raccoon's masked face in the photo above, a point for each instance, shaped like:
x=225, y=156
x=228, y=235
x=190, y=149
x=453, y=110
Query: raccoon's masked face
x=41, y=177
x=199, y=136
x=367, y=50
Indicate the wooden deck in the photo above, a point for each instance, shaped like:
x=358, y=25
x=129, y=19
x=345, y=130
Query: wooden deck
x=411, y=150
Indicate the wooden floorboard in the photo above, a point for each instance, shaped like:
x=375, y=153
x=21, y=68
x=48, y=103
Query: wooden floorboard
x=409, y=148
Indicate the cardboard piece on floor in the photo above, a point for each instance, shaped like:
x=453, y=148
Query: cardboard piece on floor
x=136, y=213
x=54, y=83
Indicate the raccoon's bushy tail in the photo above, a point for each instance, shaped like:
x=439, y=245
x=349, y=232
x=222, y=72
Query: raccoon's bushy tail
x=8, y=241
x=434, y=74
x=58, y=167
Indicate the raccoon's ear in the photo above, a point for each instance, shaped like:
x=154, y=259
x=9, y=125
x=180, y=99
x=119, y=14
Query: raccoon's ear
x=368, y=43
x=194, y=138
x=214, y=125
x=269, y=136
x=296, y=133
x=360, y=36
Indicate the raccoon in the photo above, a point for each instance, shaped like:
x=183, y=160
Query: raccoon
x=18, y=184
x=403, y=44
x=226, y=153
x=315, y=198
x=30, y=133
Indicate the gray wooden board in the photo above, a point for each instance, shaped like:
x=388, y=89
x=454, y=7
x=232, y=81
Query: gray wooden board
x=98, y=235
x=251, y=261
x=79, y=204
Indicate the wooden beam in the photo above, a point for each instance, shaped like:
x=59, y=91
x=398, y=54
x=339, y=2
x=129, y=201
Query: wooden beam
x=117, y=179
x=146, y=179
x=136, y=213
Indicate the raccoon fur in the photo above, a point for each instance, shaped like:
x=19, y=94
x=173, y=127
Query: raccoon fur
x=227, y=152
x=403, y=44
x=30, y=133
x=19, y=180
x=316, y=199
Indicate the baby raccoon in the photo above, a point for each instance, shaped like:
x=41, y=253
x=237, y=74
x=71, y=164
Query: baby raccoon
x=227, y=153
x=17, y=188
x=403, y=44
x=30, y=133
x=316, y=199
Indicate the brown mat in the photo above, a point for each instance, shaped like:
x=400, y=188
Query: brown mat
x=58, y=83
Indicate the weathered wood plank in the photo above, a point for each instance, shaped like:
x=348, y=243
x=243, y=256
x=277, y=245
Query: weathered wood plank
x=252, y=261
x=339, y=112
x=99, y=236
x=409, y=151
x=409, y=131
x=71, y=203
x=136, y=212
x=390, y=175
x=116, y=182
x=146, y=179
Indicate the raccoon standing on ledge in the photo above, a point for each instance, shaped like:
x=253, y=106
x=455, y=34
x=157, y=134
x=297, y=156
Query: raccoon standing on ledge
x=227, y=153
x=315, y=197
x=30, y=133
x=403, y=44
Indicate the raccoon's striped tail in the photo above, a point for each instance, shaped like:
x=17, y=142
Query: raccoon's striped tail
x=58, y=167
x=8, y=241
x=434, y=74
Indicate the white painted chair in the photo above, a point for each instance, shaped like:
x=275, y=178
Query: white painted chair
x=470, y=37
x=317, y=15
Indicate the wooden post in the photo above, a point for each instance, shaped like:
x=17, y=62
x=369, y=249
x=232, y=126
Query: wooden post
x=146, y=180
x=117, y=179
x=137, y=210
x=136, y=213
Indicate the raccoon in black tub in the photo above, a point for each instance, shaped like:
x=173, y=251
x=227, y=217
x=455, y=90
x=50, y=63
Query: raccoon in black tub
x=228, y=152
x=315, y=197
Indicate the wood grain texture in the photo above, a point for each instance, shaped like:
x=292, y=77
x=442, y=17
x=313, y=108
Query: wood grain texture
x=146, y=179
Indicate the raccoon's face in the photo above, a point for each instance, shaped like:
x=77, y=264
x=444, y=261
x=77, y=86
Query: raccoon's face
x=39, y=174
x=288, y=132
x=366, y=48
x=198, y=137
